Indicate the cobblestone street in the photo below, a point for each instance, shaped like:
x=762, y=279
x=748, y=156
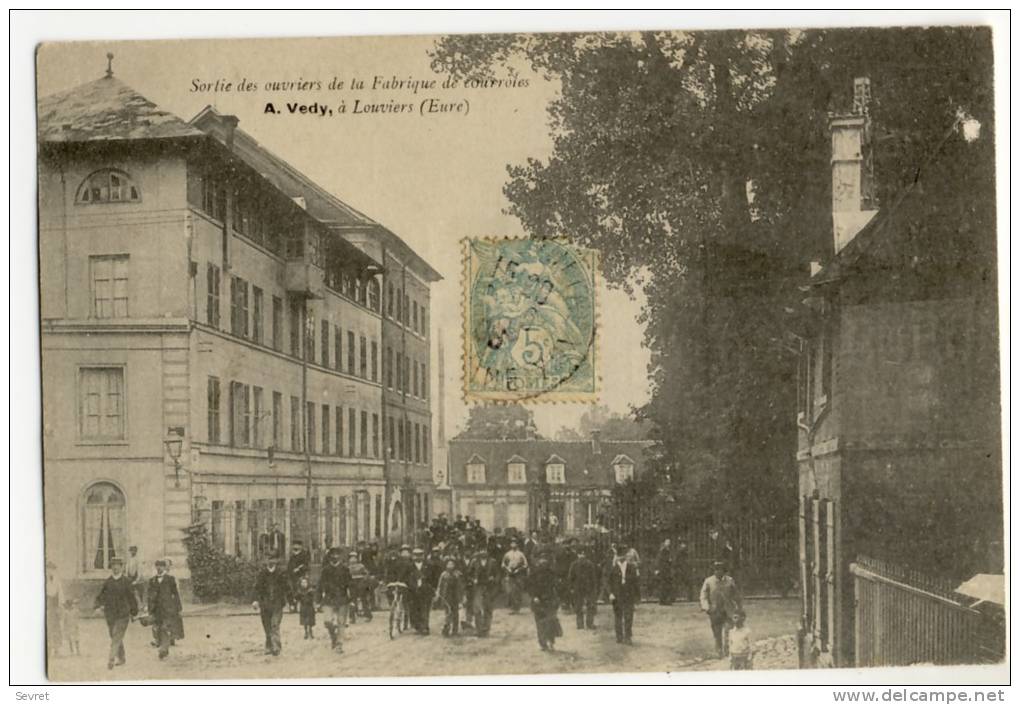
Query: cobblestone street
x=230, y=646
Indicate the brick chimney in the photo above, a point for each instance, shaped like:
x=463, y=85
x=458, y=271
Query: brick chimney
x=853, y=173
x=596, y=445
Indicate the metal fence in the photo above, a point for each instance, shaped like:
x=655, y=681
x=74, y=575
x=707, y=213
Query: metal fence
x=760, y=552
x=903, y=617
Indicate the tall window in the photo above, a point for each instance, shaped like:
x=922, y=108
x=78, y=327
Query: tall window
x=239, y=306
x=475, y=472
x=212, y=295
x=515, y=473
x=400, y=440
x=352, y=417
x=350, y=352
x=391, y=439
x=407, y=372
x=555, y=474
x=103, y=526
x=339, y=449
x=424, y=382
x=414, y=315
x=310, y=339
x=310, y=422
x=240, y=414
x=256, y=314
x=388, y=367
x=364, y=434
x=212, y=396
x=277, y=323
x=101, y=403
x=389, y=299
x=295, y=424
x=407, y=310
x=400, y=371
x=324, y=347
x=375, y=361
x=325, y=429
x=415, y=376
x=363, y=357
x=256, y=417
x=373, y=294
x=109, y=286
x=277, y=419
x=417, y=443
x=425, y=440
x=400, y=306
x=375, y=435
x=107, y=186
x=296, y=326
x=338, y=347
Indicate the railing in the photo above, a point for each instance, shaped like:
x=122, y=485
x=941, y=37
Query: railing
x=904, y=617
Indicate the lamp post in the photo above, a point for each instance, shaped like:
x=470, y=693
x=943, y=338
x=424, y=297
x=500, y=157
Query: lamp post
x=174, y=443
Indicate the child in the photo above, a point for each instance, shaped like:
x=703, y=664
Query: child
x=306, y=604
x=450, y=592
x=70, y=619
x=741, y=651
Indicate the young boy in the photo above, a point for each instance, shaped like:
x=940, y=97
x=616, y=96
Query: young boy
x=306, y=606
x=450, y=593
x=741, y=650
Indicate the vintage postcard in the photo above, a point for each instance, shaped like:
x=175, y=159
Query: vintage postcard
x=512, y=354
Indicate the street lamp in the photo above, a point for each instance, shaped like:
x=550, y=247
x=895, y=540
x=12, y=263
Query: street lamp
x=174, y=443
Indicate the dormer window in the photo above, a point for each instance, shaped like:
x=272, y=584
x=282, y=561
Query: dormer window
x=107, y=186
x=623, y=469
x=475, y=468
x=516, y=471
x=555, y=471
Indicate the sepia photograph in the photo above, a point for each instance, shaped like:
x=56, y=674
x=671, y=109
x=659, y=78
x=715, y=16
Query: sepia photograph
x=641, y=351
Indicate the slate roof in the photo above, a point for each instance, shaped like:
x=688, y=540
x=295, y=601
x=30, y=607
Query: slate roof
x=577, y=457
x=104, y=110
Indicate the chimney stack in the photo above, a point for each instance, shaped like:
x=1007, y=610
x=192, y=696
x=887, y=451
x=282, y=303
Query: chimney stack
x=853, y=172
x=596, y=445
x=230, y=125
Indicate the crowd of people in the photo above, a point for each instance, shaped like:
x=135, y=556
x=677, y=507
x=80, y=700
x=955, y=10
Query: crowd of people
x=459, y=568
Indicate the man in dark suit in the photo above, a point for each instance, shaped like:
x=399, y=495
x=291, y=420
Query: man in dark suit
x=335, y=595
x=165, y=608
x=297, y=568
x=117, y=600
x=420, y=590
x=541, y=585
x=583, y=582
x=272, y=592
x=624, y=593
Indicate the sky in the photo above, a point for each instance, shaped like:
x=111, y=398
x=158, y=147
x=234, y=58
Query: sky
x=432, y=180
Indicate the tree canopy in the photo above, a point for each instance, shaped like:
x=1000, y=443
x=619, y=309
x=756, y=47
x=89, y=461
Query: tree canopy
x=697, y=163
x=499, y=422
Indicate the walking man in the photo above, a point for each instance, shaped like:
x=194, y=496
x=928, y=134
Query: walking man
x=483, y=577
x=272, y=592
x=117, y=601
x=297, y=568
x=721, y=601
x=624, y=593
x=165, y=609
x=335, y=596
x=544, y=602
x=515, y=565
x=583, y=581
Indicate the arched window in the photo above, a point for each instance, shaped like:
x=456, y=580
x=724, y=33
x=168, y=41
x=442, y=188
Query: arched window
x=103, y=525
x=107, y=186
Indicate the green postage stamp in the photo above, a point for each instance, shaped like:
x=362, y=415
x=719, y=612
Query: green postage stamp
x=530, y=321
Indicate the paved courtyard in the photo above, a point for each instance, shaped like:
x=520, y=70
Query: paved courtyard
x=226, y=642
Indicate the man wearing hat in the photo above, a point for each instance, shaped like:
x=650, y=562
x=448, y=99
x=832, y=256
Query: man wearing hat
x=360, y=597
x=335, y=595
x=624, y=593
x=515, y=565
x=483, y=578
x=165, y=608
x=583, y=582
x=272, y=592
x=117, y=600
x=420, y=591
x=720, y=600
x=544, y=601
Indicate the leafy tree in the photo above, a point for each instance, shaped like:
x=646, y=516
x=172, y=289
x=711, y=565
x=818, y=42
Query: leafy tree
x=499, y=422
x=697, y=163
x=610, y=425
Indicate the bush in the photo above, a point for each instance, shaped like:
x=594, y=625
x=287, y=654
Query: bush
x=216, y=576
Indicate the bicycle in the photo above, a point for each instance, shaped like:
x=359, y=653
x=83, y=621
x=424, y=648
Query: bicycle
x=398, y=611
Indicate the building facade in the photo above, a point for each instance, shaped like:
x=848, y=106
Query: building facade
x=529, y=484
x=213, y=342
x=899, y=449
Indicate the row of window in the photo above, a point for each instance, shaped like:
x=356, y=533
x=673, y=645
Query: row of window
x=248, y=416
x=405, y=375
x=555, y=470
x=407, y=311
